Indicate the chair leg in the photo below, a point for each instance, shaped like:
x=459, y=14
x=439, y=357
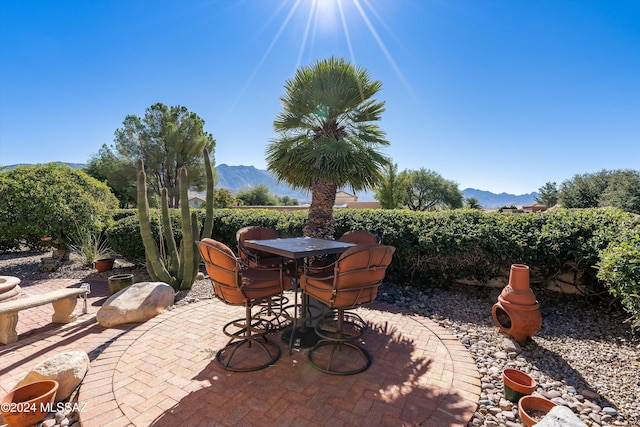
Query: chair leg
x=334, y=354
x=248, y=348
x=274, y=310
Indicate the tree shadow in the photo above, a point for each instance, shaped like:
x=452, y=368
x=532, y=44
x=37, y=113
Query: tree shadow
x=555, y=366
x=408, y=383
x=584, y=324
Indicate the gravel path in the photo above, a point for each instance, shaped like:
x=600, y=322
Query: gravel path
x=582, y=357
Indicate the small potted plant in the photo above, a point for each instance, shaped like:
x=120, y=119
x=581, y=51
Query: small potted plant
x=93, y=249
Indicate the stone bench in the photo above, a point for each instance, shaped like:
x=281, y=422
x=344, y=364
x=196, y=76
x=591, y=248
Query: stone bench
x=64, y=302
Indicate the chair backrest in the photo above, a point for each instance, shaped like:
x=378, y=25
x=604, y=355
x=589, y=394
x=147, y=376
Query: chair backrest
x=360, y=237
x=223, y=269
x=254, y=232
x=358, y=273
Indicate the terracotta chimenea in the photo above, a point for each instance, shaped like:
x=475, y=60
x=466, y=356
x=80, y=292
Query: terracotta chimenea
x=517, y=312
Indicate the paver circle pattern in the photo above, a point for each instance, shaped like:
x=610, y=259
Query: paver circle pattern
x=163, y=373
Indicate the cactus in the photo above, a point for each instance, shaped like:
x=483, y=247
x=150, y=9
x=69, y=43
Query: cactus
x=181, y=267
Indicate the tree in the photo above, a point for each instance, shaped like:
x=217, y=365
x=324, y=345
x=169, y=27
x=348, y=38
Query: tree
x=223, y=199
x=391, y=190
x=583, y=191
x=287, y=201
x=166, y=139
x=548, y=194
x=258, y=195
x=117, y=172
x=426, y=190
x=615, y=188
x=328, y=136
x=472, y=203
x=623, y=191
x=51, y=200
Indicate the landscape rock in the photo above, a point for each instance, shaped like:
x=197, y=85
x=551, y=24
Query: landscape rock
x=561, y=416
x=136, y=303
x=68, y=369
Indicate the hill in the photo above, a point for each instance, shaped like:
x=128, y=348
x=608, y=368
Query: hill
x=236, y=178
x=71, y=165
x=489, y=200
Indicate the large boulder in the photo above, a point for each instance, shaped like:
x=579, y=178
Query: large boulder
x=136, y=303
x=68, y=369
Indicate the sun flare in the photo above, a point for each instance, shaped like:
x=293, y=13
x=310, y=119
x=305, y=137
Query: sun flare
x=329, y=19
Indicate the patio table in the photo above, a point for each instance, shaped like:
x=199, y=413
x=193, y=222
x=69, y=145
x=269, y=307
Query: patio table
x=296, y=249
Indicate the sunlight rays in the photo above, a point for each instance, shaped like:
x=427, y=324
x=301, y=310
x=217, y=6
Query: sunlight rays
x=320, y=13
x=346, y=32
x=382, y=46
x=328, y=18
x=266, y=54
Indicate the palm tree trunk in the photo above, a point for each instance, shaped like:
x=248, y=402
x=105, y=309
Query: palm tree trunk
x=320, y=220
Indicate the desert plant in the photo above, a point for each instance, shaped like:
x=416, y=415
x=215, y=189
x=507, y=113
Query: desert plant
x=180, y=266
x=90, y=246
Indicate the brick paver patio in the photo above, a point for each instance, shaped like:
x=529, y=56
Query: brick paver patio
x=162, y=372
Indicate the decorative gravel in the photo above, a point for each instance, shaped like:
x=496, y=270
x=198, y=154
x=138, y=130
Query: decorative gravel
x=582, y=357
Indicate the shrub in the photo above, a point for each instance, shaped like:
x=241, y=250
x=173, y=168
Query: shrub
x=619, y=269
x=434, y=248
x=124, y=213
x=125, y=239
x=50, y=200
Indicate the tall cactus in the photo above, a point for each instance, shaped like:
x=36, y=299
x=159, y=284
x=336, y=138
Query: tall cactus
x=181, y=267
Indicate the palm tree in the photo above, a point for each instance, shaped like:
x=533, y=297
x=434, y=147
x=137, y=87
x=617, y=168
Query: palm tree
x=328, y=137
x=472, y=203
x=392, y=188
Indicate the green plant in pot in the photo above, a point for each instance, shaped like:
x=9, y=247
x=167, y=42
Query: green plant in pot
x=93, y=249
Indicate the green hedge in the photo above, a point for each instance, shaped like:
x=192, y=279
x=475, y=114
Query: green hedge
x=435, y=248
x=619, y=269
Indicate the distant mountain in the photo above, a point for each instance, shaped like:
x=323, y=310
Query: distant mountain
x=71, y=165
x=236, y=178
x=489, y=200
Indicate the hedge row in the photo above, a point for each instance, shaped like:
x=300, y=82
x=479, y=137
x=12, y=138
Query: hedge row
x=434, y=248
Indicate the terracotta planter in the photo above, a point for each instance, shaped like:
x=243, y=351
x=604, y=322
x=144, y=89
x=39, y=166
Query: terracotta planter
x=517, y=384
x=104, y=264
x=28, y=404
x=533, y=408
x=119, y=282
x=517, y=312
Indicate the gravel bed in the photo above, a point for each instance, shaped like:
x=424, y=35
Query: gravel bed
x=582, y=357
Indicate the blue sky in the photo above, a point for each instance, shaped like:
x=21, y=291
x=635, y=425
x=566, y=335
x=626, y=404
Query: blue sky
x=497, y=95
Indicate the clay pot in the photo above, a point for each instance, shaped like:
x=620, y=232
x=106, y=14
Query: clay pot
x=28, y=404
x=533, y=408
x=517, y=312
x=517, y=384
x=104, y=264
x=119, y=282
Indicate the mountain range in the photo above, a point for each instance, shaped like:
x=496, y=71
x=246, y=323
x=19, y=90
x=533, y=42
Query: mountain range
x=236, y=178
x=241, y=177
